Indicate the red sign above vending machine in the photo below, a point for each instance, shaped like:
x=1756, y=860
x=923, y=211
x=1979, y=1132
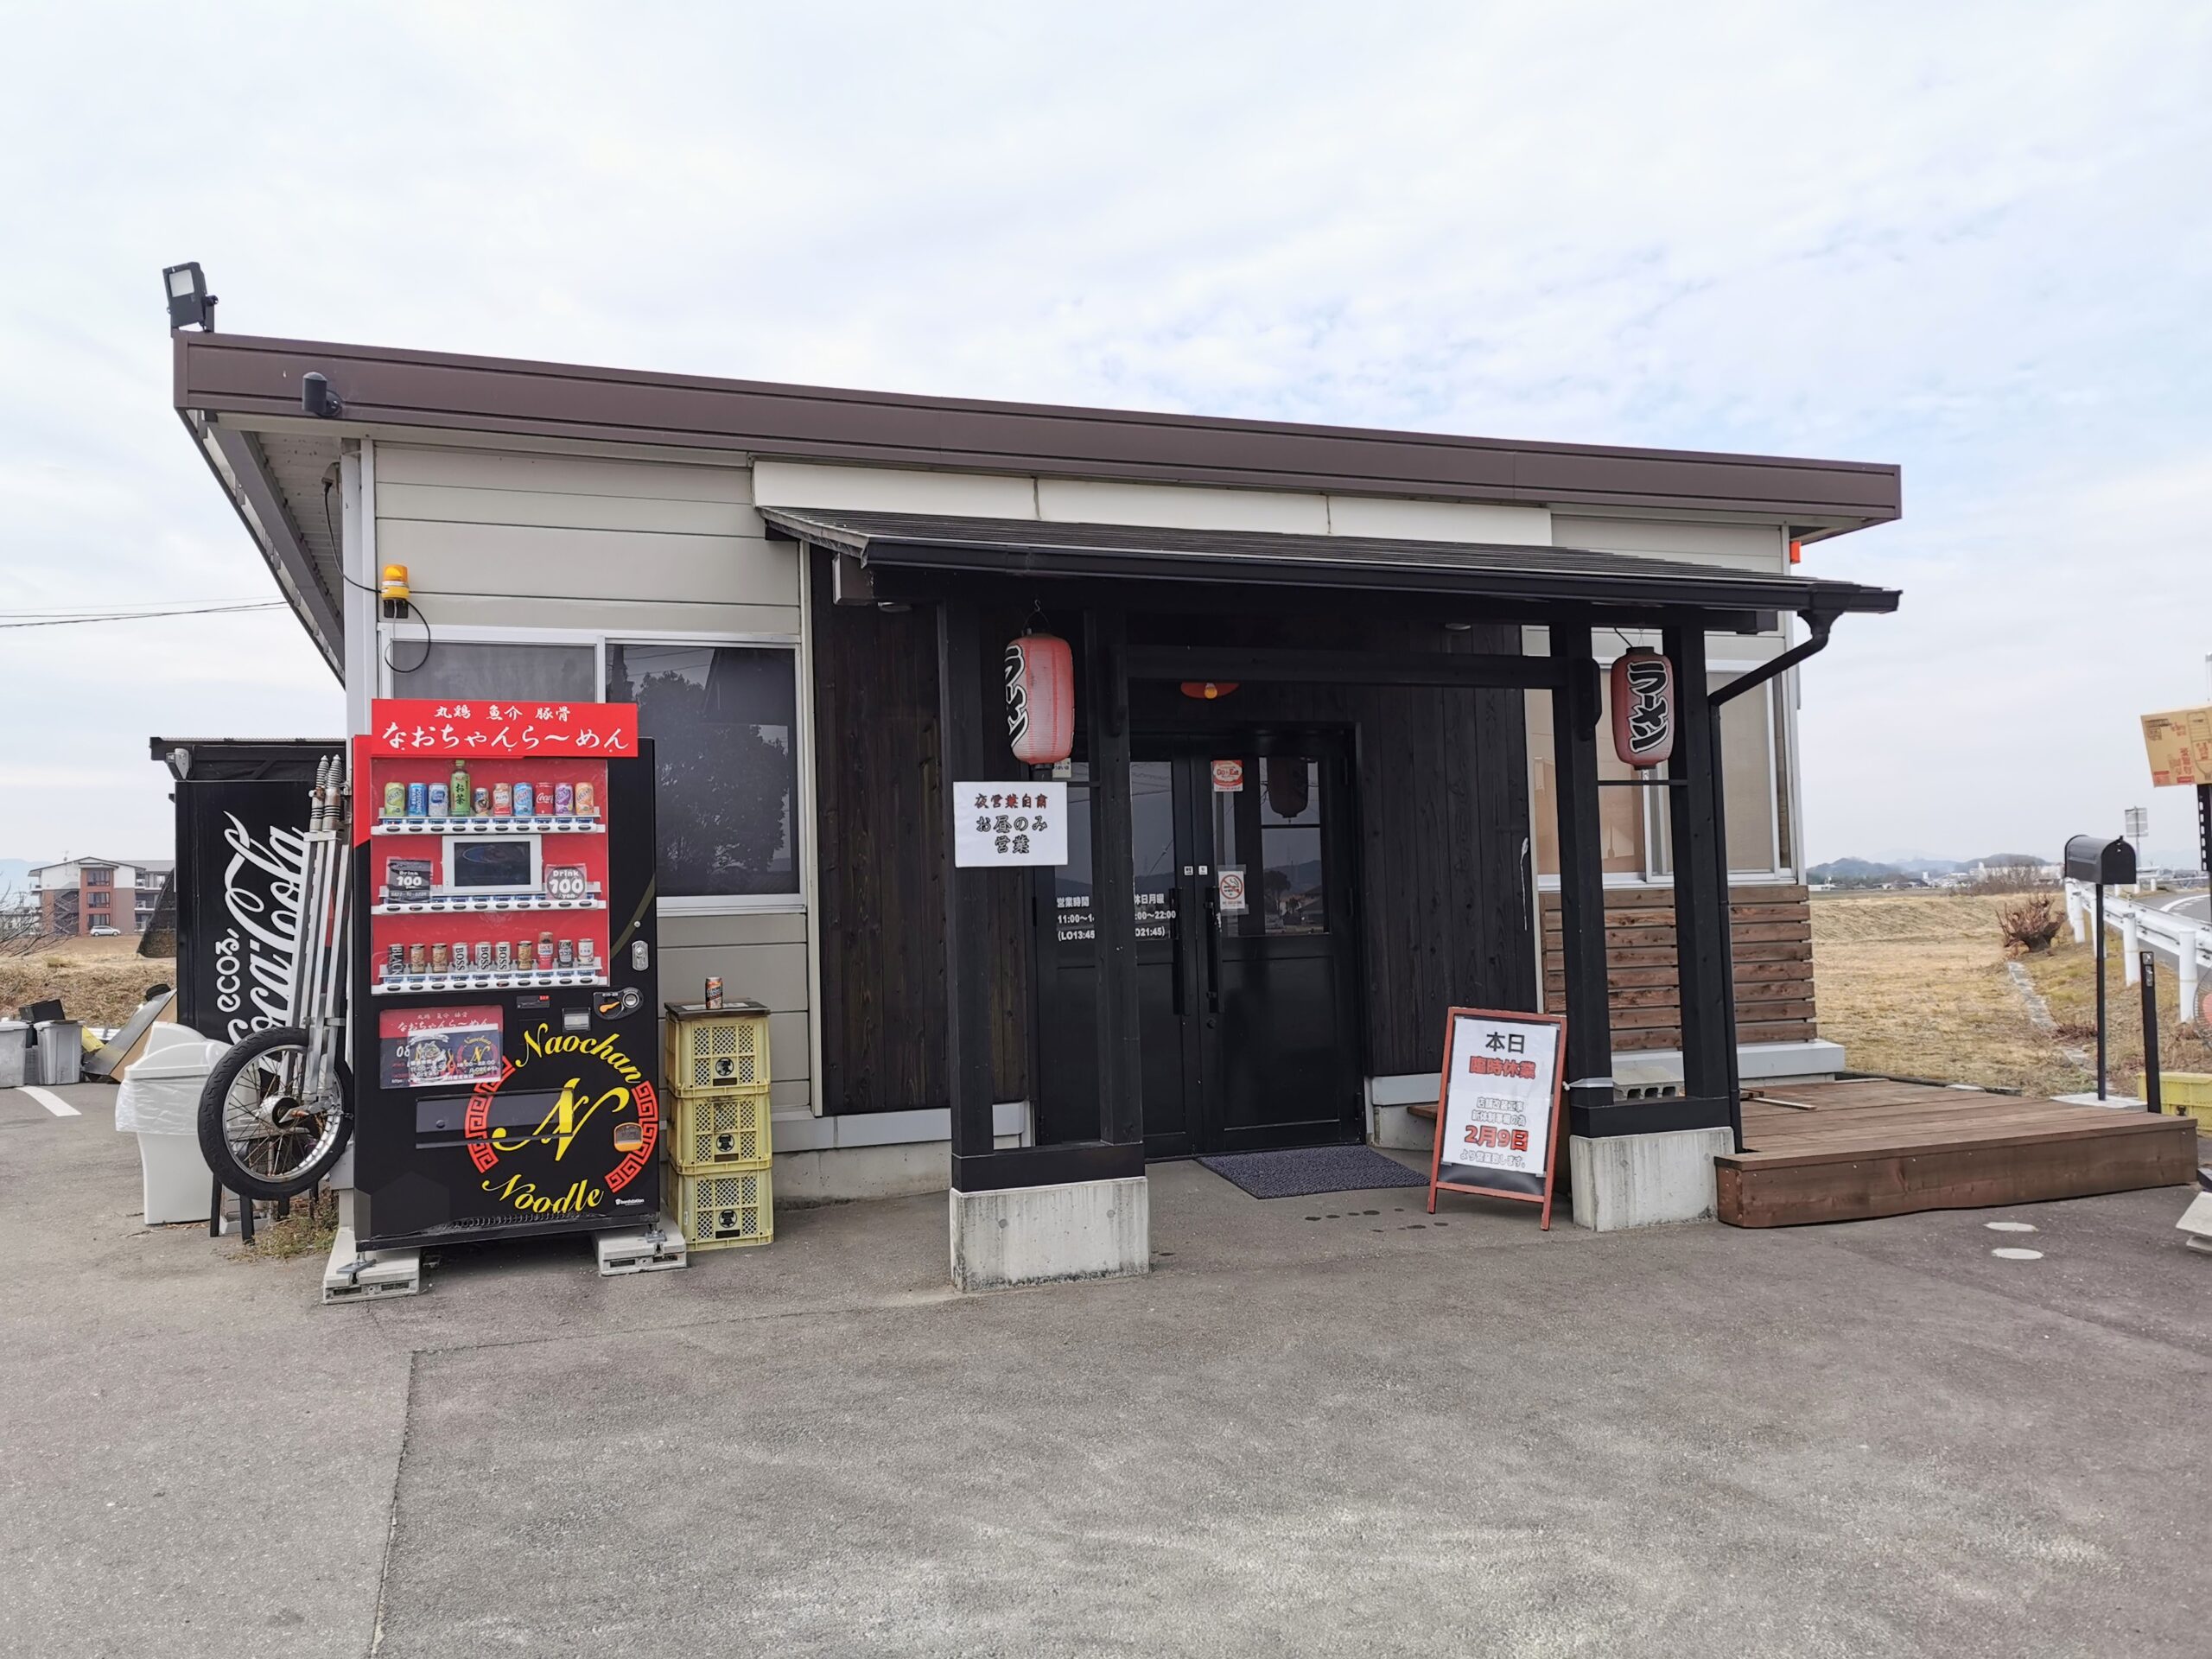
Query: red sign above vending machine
x=427, y=726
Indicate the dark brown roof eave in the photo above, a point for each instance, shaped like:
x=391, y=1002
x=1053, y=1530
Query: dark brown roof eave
x=245, y=376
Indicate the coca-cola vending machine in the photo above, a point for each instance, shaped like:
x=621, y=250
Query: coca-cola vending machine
x=505, y=1052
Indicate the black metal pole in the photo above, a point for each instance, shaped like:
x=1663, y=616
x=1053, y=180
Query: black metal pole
x=2147, y=964
x=2099, y=944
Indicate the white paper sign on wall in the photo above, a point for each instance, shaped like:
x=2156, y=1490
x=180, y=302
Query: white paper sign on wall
x=1002, y=824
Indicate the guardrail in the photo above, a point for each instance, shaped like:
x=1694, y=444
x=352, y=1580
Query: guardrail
x=2186, y=939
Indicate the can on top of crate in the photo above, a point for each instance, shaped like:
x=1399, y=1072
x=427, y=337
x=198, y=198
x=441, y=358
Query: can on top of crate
x=716, y=1048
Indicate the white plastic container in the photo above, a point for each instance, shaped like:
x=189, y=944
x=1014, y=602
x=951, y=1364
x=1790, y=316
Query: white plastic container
x=18, y=1060
x=159, y=1101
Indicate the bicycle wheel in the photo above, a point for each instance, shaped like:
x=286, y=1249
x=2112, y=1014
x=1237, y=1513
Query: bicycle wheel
x=262, y=1131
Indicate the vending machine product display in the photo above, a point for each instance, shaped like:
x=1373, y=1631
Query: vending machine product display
x=505, y=1052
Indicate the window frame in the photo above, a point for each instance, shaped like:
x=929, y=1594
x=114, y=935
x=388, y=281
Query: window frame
x=1781, y=697
x=796, y=902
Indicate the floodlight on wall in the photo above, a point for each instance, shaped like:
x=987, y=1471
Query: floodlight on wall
x=191, y=305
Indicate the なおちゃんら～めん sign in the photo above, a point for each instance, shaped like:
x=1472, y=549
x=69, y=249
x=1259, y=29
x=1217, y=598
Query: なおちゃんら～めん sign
x=1497, y=1115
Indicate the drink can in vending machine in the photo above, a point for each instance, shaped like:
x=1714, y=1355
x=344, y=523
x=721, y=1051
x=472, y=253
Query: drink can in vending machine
x=544, y=799
x=437, y=800
x=483, y=956
x=395, y=800
x=564, y=800
x=440, y=961
x=587, y=801
x=504, y=955
x=503, y=801
x=584, y=953
x=564, y=954
x=715, y=991
x=460, y=955
x=525, y=802
x=418, y=800
x=418, y=958
x=395, y=962
x=545, y=950
x=483, y=802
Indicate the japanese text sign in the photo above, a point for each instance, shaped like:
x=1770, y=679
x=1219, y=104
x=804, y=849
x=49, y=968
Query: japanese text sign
x=474, y=729
x=1498, y=1116
x=2180, y=745
x=1643, y=708
x=1002, y=824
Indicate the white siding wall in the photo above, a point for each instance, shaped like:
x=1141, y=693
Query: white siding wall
x=597, y=547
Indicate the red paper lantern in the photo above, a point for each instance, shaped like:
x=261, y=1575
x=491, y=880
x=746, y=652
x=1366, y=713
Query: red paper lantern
x=1040, y=699
x=1643, y=708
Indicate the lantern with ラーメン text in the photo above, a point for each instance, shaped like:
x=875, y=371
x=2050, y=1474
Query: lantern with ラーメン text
x=1040, y=699
x=1643, y=707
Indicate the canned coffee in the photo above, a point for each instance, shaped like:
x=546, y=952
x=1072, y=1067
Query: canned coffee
x=564, y=955
x=483, y=956
x=715, y=991
x=503, y=956
x=440, y=958
x=418, y=800
x=482, y=803
x=418, y=958
x=584, y=953
x=395, y=962
x=526, y=801
x=545, y=950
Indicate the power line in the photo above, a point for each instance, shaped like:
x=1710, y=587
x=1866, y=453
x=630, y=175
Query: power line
x=143, y=616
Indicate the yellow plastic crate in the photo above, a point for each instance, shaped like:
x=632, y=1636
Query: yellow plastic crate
x=713, y=1132
x=722, y=1211
x=715, y=1048
x=2188, y=1093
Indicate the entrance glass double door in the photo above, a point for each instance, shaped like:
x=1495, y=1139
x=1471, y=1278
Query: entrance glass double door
x=1246, y=951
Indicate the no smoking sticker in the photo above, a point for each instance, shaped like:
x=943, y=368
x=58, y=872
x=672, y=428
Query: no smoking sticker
x=1232, y=890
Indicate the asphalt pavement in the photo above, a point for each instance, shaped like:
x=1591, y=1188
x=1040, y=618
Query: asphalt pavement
x=1321, y=1426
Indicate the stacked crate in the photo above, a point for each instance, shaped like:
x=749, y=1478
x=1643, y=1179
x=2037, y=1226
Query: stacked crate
x=716, y=1062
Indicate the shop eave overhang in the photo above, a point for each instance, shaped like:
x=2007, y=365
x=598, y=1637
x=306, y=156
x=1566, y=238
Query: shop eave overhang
x=241, y=470
x=246, y=380
x=1030, y=550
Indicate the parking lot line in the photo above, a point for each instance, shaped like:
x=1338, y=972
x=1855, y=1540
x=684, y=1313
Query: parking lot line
x=53, y=1102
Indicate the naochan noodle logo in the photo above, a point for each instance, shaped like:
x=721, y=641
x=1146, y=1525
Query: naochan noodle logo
x=604, y=1080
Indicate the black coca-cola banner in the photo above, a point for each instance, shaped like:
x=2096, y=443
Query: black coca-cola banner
x=240, y=849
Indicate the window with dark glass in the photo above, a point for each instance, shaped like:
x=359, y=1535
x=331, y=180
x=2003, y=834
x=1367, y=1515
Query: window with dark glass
x=724, y=722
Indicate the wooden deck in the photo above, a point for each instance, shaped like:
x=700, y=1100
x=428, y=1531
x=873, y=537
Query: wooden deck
x=1850, y=1150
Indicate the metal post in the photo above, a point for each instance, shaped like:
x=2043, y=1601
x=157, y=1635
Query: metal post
x=963, y=757
x=2099, y=931
x=1576, y=708
x=2149, y=962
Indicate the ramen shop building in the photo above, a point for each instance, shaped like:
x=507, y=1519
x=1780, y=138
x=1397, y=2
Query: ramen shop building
x=1341, y=748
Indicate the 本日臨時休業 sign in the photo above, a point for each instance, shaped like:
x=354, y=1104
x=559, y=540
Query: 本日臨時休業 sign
x=1497, y=1117
x=2179, y=743
x=467, y=727
x=1003, y=824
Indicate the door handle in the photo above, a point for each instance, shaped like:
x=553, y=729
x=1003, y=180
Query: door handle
x=1213, y=951
x=1175, y=945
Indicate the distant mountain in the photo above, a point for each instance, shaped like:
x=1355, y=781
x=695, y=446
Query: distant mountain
x=15, y=874
x=1853, y=869
x=2006, y=860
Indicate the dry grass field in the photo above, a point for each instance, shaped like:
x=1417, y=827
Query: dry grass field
x=1915, y=984
x=100, y=981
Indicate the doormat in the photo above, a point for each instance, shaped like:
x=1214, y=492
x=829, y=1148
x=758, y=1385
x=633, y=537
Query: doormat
x=1305, y=1170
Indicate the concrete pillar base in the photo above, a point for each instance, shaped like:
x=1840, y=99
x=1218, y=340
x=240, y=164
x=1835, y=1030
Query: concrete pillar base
x=1641, y=1181
x=1042, y=1235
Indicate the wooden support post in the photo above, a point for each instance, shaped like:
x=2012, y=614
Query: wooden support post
x=1112, y=879
x=1702, y=941
x=1577, y=706
x=964, y=755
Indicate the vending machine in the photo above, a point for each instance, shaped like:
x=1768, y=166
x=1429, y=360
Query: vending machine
x=504, y=1051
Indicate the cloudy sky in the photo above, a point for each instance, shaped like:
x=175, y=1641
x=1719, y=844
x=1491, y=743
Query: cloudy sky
x=1971, y=239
